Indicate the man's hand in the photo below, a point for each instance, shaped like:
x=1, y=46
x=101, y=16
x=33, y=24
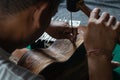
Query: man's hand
x=60, y=30
x=100, y=39
x=17, y=54
x=102, y=32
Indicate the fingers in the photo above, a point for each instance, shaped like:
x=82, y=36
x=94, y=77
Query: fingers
x=104, y=17
x=17, y=54
x=111, y=21
x=117, y=26
x=95, y=13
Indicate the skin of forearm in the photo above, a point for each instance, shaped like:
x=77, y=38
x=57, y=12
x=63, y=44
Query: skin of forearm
x=99, y=67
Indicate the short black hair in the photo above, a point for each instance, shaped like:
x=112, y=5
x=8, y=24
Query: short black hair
x=13, y=6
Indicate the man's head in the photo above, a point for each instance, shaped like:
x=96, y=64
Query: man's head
x=23, y=21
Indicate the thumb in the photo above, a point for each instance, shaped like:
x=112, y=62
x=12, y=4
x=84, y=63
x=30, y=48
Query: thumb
x=82, y=30
x=115, y=64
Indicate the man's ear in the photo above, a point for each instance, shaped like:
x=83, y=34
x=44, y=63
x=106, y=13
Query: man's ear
x=38, y=11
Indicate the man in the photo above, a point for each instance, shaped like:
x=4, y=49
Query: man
x=22, y=22
x=25, y=20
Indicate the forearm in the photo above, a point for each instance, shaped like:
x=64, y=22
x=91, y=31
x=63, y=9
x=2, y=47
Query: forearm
x=99, y=67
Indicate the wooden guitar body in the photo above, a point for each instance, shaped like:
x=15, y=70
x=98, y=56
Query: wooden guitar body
x=62, y=60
